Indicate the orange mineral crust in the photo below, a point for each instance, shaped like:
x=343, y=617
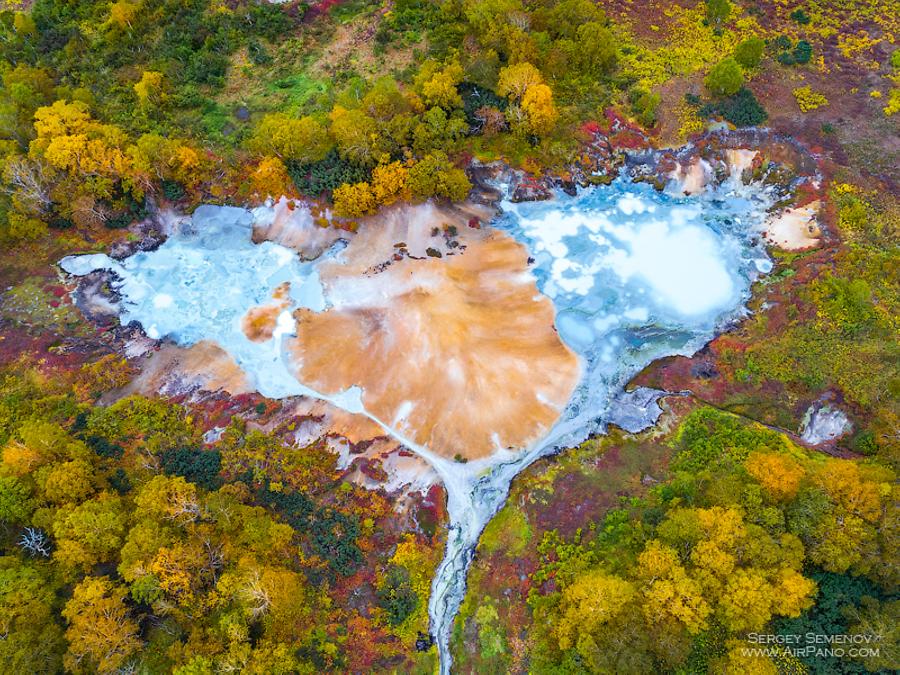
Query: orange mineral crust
x=259, y=322
x=457, y=352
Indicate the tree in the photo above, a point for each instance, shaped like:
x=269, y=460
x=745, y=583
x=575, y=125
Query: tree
x=435, y=176
x=746, y=604
x=877, y=621
x=16, y=505
x=384, y=100
x=668, y=590
x=66, y=483
x=270, y=178
x=102, y=635
x=437, y=131
x=32, y=639
x=122, y=14
x=177, y=570
x=169, y=498
x=352, y=201
x=440, y=88
x=779, y=474
x=166, y=159
x=289, y=138
x=749, y=53
x=645, y=105
x=63, y=118
x=150, y=89
x=389, y=182
x=357, y=136
x=515, y=80
x=587, y=604
x=89, y=533
x=717, y=12
x=725, y=78
x=595, y=49
x=540, y=111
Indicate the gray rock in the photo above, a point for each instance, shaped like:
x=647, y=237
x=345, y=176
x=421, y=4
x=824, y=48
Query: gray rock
x=637, y=409
x=823, y=423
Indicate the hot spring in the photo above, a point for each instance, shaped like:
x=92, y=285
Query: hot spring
x=497, y=345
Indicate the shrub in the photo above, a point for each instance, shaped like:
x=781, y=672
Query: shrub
x=807, y=99
x=172, y=190
x=397, y=596
x=790, y=54
x=258, y=53
x=195, y=465
x=802, y=52
x=644, y=105
x=325, y=175
x=742, y=109
x=717, y=12
x=893, y=105
x=864, y=443
x=119, y=221
x=749, y=52
x=782, y=43
x=725, y=78
x=800, y=17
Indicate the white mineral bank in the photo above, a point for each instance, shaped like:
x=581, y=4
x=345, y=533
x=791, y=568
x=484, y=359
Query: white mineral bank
x=634, y=274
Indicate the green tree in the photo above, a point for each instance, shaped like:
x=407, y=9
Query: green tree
x=32, y=637
x=16, y=505
x=725, y=78
x=435, y=176
x=717, y=12
x=89, y=533
x=749, y=53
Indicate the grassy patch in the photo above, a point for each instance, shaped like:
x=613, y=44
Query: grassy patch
x=508, y=532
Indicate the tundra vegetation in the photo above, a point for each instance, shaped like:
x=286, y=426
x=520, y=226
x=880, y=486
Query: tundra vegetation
x=129, y=543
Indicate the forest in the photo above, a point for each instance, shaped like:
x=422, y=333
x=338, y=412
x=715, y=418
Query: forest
x=132, y=540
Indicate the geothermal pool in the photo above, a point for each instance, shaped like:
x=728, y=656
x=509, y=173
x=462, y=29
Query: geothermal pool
x=498, y=344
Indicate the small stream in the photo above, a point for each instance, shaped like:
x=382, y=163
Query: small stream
x=634, y=274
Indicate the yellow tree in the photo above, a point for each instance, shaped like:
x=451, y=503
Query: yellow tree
x=177, y=570
x=779, y=474
x=357, y=136
x=747, y=601
x=516, y=79
x=169, y=498
x=668, y=590
x=89, y=533
x=793, y=593
x=354, y=200
x=102, y=635
x=66, y=483
x=122, y=14
x=270, y=178
x=289, y=138
x=150, y=88
x=389, y=182
x=593, y=600
x=540, y=111
x=440, y=89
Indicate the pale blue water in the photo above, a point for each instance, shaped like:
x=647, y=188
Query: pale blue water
x=636, y=274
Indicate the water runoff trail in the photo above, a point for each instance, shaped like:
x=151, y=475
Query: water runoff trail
x=634, y=275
